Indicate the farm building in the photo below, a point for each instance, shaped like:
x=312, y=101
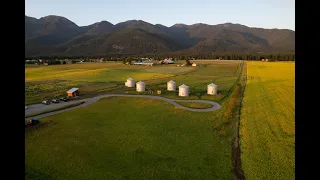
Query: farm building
x=167, y=61
x=194, y=64
x=46, y=64
x=212, y=89
x=141, y=87
x=129, y=83
x=73, y=92
x=143, y=63
x=171, y=86
x=183, y=90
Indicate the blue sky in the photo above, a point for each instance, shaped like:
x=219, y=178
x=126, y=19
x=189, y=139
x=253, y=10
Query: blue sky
x=253, y=13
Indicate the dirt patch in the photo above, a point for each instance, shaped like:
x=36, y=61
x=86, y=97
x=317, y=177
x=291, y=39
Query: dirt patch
x=236, y=156
x=236, y=152
x=41, y=125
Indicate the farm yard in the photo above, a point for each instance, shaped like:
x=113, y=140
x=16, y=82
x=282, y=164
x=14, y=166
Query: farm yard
x=267, y=125
x=45, y=82
x=134, y=138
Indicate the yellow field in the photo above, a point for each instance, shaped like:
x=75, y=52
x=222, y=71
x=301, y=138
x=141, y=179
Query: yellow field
x=267, y=126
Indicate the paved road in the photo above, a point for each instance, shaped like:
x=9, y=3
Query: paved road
x=39, y=107
x=36, y=108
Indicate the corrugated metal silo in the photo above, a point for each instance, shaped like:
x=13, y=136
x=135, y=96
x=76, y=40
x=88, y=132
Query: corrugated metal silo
x=171, y=86
x=183, y=90
x=212, y=89
x=141, y=87
x=130, y=82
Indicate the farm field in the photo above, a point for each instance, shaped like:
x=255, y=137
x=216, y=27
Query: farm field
x=138, y=138
x=267, y=125
x=47, y=82
x=131, y=139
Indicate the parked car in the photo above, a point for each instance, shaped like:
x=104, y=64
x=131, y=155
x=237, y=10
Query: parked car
x=46, y=102
x=55, y=101
x=65, y=99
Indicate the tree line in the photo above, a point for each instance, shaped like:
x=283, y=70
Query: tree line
x=174, y=56
x=49, y=62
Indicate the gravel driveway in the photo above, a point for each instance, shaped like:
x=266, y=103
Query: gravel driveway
x=36, y=108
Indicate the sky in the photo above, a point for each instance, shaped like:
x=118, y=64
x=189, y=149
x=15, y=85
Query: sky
x=268, y=14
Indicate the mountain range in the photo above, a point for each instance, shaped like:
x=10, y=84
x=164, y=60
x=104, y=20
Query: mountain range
x=56, y=35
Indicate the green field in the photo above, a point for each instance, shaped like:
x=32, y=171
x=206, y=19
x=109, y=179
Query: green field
x=267, y=123
x=195, y=105
x=121, y=137
x=134, y=138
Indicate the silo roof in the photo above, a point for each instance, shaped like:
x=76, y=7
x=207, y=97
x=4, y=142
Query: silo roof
x=183, y=86
x=171, y=81
x=140, y=82
x=130, y=79
x=212, y=84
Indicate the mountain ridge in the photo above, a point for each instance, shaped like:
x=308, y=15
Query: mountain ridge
x=57, y=35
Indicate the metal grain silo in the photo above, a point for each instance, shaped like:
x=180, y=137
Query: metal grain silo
x=130, y=82
x=171, y=86
x=141, y=87
x=183, y=90
x=212, y=89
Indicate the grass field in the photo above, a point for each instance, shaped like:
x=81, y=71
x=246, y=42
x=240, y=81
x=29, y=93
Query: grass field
x=130, y=138
x=47, y=82
x=138, y=138
x=267, y=123
x=195, y=105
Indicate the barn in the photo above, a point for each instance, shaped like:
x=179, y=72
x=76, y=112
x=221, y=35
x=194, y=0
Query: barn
x=73, y=92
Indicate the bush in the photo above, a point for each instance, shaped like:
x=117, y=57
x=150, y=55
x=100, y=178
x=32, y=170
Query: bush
x=188, y=63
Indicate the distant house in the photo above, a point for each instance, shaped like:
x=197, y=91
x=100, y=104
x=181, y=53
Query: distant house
x=266, y=60
x=167, y=61
x=46, y=64
x=144, y=63
x=194, y=64
x=73, y=92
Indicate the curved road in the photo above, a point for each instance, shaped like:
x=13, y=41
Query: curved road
x=215, y=106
